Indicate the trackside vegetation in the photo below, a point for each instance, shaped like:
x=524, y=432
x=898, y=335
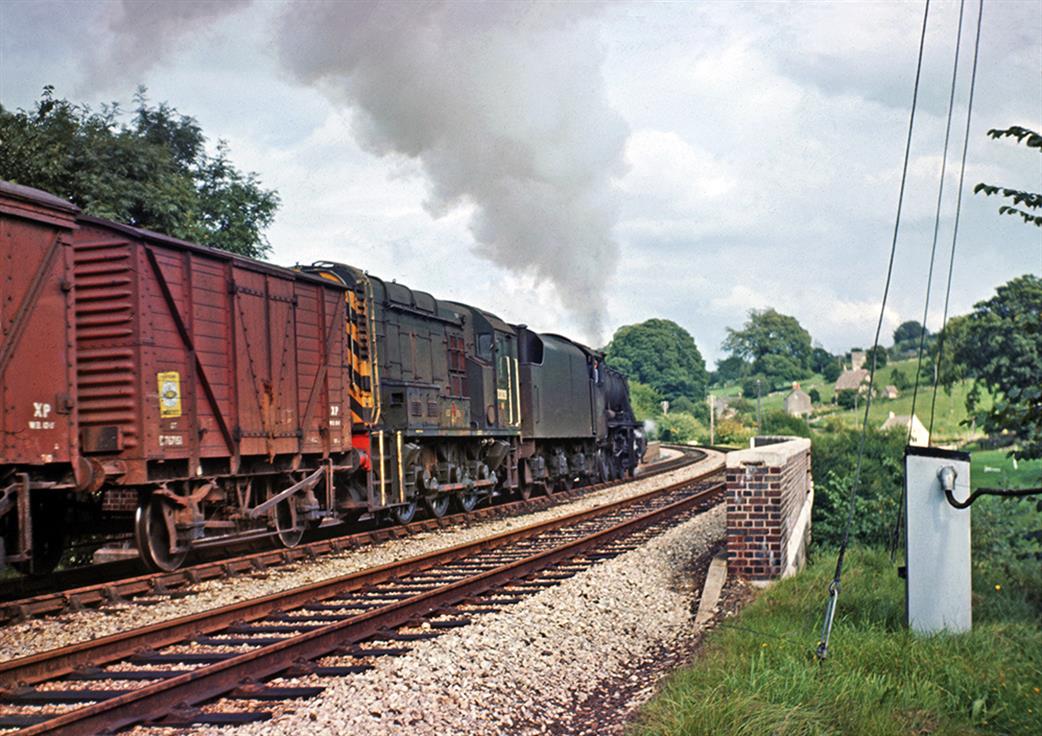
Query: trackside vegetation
x=757, y=673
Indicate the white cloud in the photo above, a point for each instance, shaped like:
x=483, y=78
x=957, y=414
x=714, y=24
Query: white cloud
x=764, y=157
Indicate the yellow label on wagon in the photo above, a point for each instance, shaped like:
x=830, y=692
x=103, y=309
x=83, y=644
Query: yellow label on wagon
x=169, y=394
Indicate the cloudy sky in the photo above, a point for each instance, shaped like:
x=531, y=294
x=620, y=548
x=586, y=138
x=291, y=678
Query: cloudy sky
x=582, y=166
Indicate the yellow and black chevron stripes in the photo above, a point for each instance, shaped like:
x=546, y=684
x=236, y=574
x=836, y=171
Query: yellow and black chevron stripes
x=362, y=352
x=361, y=356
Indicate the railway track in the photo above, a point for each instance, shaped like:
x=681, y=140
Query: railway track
x=161, y=674
x=121, y=581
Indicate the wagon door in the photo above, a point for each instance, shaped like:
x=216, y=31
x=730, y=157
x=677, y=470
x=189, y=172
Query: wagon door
x=265, y=341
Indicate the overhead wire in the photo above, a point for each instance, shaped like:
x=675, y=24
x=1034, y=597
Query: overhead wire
x=929, y=274
x=834, y=586
x=939, y=360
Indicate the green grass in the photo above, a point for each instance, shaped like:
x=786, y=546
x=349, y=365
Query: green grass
x=993, y=468
x=757, y=673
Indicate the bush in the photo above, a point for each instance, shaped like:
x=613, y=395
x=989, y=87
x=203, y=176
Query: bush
x=879, y=494
x=900, y=380
x=780, y=422
x=815, y=396
x=749, y=386
x=732, y=432
x=832, y=371
x=847, y=398
x=680, y=427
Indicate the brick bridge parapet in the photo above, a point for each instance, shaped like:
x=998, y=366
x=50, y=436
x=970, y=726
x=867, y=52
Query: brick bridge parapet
x=770, y=494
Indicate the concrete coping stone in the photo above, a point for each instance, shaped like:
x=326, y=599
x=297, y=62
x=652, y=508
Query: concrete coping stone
x=774, y=455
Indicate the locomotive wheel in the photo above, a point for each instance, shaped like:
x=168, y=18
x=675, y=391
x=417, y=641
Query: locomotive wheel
x=404, y=514
x=287, y=526
x=564, y=483
x=603, y=468
x=438, y=506
x=467, y=501
x=526, y=492
x=152, y=534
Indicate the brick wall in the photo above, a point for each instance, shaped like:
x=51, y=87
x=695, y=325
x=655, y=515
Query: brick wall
x=769, y=499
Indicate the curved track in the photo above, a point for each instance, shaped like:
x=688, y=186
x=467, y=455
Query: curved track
x=161, y=673
x=115, y=582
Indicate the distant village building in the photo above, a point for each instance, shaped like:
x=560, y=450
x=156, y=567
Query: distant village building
x=854, y=380
x=891, y=392
x=919, y=437
x=797, y=403
x=857, y=359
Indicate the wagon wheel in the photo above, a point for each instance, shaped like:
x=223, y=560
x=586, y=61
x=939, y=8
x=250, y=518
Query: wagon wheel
x=287, y=524
x=404, y=514
x=526, y=491
x=438, y=506
x=153, y=530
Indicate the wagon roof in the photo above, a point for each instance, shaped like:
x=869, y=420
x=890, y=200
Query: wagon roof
x=38, y=196
x=139, y=233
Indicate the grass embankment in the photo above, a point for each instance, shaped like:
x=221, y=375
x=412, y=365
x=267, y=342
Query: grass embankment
x=757, y=674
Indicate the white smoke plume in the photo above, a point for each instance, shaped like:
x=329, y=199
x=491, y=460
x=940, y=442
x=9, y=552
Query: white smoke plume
x=502, y=105
x=143, y=32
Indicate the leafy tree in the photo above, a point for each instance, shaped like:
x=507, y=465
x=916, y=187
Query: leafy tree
x=1002, y=350
x=832, y=371
x=880, y=353
x=815, y=396
x=729, y=370
x=775, y=344
x=645, y=402
x=152, y=171
x=1021, y=198
x=910, y=331
x=661, y=354
x=820, y=358
x=950, y=344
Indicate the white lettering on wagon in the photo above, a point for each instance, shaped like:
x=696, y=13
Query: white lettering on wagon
x=171, y=440
x=41, y=410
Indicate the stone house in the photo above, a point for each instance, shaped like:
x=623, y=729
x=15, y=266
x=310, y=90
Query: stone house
x=920, y=436
x=798, y=403
x=857, y=359
x=891, y=392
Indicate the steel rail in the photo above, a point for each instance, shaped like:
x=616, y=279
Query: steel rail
x=156, y=700
x=58, y=662
x=162, y=583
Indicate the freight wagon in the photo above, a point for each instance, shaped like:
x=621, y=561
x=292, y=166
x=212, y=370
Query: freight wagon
x=199, y=397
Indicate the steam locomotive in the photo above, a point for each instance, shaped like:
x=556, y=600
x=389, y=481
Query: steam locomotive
x=200, y=398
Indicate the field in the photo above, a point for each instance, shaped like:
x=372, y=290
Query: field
x=948, y=418
x=757, y=674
